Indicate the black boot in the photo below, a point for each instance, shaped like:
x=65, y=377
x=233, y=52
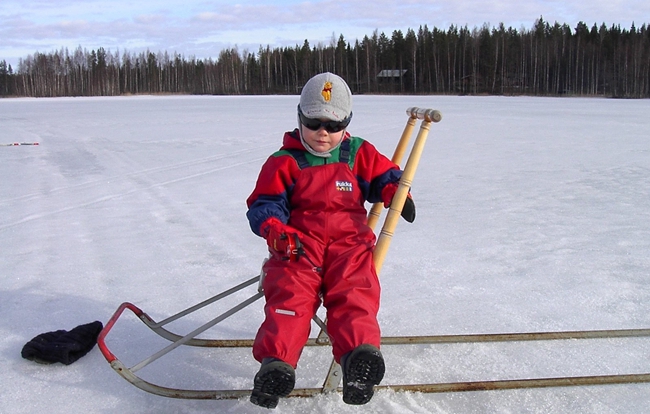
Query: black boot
x=363, y=368
x=275, y=379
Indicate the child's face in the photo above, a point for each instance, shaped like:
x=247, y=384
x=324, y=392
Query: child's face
x=321, y=140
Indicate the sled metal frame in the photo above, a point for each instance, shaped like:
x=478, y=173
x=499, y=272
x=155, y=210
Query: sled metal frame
x=177, y=340
x=427, y=116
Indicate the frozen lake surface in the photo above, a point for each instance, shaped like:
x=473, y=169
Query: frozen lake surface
x=533, y=215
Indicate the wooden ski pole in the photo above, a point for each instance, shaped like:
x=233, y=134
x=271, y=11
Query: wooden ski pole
x=386, y=235
x=400, y=150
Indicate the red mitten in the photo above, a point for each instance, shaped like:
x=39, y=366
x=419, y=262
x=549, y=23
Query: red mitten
x=408, y=211
x=282, y=239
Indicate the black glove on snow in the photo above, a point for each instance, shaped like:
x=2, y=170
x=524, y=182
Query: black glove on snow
x=62, y=346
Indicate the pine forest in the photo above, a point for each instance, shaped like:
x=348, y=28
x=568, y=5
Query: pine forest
x=546, y=60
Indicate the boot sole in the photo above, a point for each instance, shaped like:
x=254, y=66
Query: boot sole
x=364, y=369
x=274, y=380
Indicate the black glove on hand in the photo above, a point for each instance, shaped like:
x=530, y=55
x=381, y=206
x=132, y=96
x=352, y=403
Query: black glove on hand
x=62, y=346
x=408, y=211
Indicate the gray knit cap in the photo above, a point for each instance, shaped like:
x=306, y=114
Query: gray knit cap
x=326, y=96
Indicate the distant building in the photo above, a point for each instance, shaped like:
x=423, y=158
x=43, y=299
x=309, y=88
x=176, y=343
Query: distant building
x=394, y=80
x=391, y=73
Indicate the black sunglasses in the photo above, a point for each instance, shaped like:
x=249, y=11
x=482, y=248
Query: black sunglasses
x=330, y=126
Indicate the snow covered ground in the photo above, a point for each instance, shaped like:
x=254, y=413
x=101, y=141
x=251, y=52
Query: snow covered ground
x=533, y=215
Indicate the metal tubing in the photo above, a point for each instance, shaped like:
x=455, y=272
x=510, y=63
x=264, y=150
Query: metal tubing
x=207, y=302
x=521, y=383
x=390, y=340
x=513, y=337
x=130, y=376
x=195, y=332
x=454, y=339
x=101, y=338
x=424, y=388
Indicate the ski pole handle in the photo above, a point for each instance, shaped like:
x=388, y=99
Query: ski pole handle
x=429, y=115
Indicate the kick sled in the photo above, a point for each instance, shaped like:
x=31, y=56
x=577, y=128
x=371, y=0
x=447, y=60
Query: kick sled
x=334, y=375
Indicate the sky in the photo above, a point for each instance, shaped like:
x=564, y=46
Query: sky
x=203, y=28
x=532, y=216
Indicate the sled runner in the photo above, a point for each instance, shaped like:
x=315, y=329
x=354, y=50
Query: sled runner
x=333, y=377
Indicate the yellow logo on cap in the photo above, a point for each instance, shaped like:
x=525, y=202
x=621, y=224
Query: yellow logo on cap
x=327, y=91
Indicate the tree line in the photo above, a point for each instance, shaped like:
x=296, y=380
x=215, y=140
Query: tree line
x=548, y=59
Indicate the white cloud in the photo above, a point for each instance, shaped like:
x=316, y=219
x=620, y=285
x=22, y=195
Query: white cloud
x=204, y=28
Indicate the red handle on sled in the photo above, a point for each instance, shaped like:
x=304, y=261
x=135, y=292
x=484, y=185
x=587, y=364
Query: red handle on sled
x=101, y=343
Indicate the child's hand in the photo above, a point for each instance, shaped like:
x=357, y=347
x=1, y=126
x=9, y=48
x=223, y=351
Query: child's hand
x=408, y=211
x=282, y=239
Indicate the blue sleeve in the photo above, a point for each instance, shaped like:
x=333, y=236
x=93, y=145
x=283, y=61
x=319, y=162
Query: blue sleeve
x=378, y=183
x=266, y=206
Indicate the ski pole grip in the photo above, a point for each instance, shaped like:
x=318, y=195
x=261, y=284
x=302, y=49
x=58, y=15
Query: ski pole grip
x=429, y=115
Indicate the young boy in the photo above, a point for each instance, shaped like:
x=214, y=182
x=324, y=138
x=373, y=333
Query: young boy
x=308, y=204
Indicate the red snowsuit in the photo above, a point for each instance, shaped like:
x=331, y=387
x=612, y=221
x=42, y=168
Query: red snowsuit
x=324, y=199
